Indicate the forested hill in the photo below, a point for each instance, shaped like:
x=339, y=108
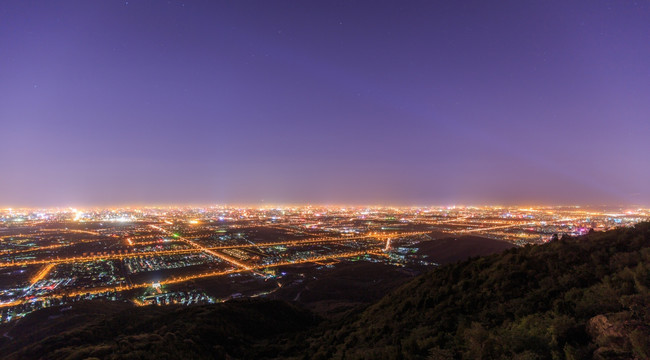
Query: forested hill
x=576, y=298
x=244, y=329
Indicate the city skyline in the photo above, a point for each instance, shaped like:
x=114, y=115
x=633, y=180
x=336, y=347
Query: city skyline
x=419, y=103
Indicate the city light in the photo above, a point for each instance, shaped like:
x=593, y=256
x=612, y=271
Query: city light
x=61, y=256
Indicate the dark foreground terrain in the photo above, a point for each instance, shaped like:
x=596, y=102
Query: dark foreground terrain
x=576, y=298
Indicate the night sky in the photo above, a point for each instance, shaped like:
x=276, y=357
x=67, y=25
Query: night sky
x=354, y=102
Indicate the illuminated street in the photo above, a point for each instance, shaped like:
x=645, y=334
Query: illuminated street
x=54, y=257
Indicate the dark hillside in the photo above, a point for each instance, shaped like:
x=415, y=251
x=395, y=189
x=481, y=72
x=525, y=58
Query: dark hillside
x=571, y=299
x=236, y=329
x=50, y=321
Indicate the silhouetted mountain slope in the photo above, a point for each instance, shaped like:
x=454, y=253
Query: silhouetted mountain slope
x=572, y=299
x=50, y=321
x=249, y=329
x=581, y=298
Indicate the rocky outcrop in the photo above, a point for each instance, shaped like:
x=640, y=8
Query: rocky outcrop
x=618, y=336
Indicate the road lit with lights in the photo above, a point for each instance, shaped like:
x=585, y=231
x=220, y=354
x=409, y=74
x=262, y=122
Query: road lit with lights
x=59, y=256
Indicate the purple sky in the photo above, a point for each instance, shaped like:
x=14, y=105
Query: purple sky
x=360, y=102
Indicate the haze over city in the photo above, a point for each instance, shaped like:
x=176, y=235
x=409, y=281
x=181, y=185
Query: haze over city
x=405, y=103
